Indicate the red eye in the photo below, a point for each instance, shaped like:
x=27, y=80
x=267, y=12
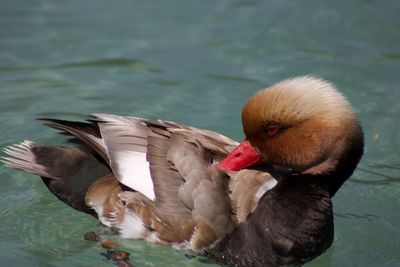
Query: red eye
x=272, y=130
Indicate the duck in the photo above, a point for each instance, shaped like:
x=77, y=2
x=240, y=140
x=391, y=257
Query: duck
x=264, y=202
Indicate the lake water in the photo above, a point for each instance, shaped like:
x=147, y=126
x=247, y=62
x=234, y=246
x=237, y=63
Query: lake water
x=194, y=62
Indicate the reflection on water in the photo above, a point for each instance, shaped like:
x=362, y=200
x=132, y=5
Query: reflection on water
x=195, y=62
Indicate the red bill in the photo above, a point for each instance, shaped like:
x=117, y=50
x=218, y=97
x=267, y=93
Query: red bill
x=244, y=155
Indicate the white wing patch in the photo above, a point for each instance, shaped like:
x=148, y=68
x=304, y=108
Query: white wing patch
x=126, y=145
x=134, y=172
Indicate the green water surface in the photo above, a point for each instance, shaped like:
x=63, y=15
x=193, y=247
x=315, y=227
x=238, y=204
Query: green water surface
x=194, y=62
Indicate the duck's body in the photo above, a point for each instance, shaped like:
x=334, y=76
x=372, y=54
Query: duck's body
x=159, y=180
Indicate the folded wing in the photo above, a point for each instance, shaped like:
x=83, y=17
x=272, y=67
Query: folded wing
x=150, y=179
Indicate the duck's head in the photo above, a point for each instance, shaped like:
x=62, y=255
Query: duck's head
x=303, y=124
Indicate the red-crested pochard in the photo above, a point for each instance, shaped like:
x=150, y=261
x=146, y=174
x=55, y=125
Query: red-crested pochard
x=268, y=203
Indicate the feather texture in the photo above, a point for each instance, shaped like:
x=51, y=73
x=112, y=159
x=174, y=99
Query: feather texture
x=150, y=179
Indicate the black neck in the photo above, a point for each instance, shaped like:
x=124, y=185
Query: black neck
x=292, y=223
x=346, y=164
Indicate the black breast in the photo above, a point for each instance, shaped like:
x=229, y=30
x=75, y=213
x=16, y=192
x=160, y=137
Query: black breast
x=293, y=223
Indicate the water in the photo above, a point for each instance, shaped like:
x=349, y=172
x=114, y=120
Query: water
x=195, y=62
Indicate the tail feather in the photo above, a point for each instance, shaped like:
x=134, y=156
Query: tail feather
x=21, y=157
x=68, y=172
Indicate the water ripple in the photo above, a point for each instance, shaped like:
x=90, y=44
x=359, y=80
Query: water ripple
x=383, y=179
x=95, y=63
x=233, y=78
x=365, y=216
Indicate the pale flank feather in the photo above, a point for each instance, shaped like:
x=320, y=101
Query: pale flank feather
x=247, y=187
x=132, y=226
